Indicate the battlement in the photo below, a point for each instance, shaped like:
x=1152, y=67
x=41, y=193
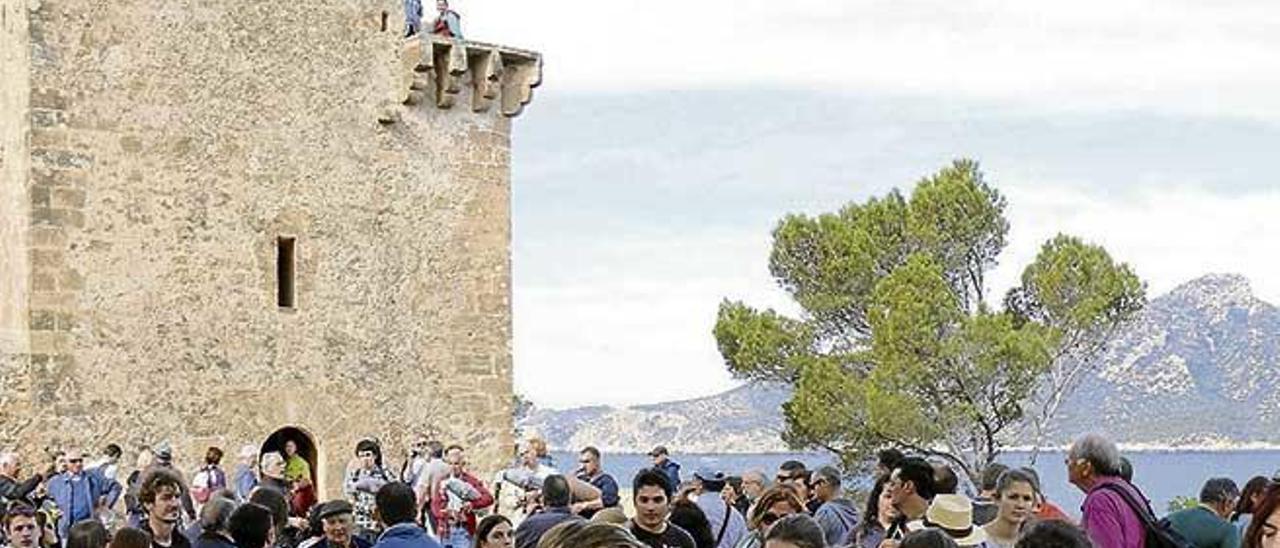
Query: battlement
x=440, y=70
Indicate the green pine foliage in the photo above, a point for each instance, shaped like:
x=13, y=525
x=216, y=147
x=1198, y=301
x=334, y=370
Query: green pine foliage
x=897, y=344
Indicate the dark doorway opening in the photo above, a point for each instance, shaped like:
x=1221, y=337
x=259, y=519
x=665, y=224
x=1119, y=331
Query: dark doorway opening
x=306, y=447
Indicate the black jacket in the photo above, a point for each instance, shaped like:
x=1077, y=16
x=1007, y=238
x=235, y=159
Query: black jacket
x=213, y=540
x=11, y=490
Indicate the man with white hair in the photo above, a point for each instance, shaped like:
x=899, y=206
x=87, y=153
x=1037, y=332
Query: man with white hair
x=273, y=473
x=214, y=523
x=10, y=488
x=1111, y=505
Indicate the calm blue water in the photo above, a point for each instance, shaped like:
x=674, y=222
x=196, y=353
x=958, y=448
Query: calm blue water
x=1161, y=475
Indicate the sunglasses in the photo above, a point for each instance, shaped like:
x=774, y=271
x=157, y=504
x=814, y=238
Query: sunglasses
x=769, y=518
x=788, y=479
x=75, y=461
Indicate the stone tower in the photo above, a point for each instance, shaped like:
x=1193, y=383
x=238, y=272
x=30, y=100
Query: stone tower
x=224, y=222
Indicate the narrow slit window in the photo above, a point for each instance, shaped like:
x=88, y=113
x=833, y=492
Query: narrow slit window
x=384, y=21
x=285, y=272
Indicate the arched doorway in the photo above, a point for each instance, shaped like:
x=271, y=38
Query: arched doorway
x=306, y=448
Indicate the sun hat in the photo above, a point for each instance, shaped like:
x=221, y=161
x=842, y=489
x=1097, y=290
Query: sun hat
x=953, y=515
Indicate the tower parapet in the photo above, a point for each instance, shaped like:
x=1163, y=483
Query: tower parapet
x=438, y=69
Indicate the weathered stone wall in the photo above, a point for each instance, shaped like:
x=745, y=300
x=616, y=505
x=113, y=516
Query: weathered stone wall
x=173, y=142
x=15, y=91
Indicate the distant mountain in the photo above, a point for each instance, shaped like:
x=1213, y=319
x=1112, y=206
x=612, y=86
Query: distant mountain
x=747, y=419
x=1201, y=366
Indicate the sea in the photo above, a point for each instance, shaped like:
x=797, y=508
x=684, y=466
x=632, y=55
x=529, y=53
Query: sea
x=1162, y=475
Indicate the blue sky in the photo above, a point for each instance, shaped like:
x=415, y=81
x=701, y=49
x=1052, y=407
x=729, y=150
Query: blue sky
x=664, y=145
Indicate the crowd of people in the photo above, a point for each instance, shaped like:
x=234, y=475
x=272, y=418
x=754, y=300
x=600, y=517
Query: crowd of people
x=269, y=500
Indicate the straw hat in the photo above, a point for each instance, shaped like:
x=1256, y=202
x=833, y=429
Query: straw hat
x=953, y=515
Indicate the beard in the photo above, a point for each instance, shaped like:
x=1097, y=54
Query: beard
x=169, y=517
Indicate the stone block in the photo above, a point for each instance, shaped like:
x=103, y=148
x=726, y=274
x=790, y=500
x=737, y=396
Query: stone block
x=68, y=217
x=60, y=159
x=131, y=144
x=48, y=98
x=48, y=236
x=57, y=177
x=41, y=196
x=70, y=280
x=48, y=138
x=65, y=321
x=46, y=258
x=42, y=216
x=43, y=282
x=42, y=118
x=50, y=342
x=43, y=320
x=45, y=293
x=65, y=197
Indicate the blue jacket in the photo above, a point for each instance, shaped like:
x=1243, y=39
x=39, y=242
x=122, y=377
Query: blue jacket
x=405, y=535
x=245, y=481
x=721, y=516
x=608, y=491
x=672, y=470
x=533, y=527
x=76, y=499
x=837, y=518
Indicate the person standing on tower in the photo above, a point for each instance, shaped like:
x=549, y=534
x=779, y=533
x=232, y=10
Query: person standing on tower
x=412, y=17
x=448, y=22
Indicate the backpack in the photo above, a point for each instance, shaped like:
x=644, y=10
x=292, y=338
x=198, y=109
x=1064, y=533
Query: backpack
x=1160, y=533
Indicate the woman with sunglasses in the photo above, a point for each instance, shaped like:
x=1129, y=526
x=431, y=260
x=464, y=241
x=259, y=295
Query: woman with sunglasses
x=776, y=503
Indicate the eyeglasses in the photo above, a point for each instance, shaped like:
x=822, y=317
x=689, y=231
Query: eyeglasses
x=584, y=461
x=365, y=455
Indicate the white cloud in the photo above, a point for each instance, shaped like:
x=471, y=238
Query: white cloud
x=629, y=321
x=1169, y=234
x=1201, y=57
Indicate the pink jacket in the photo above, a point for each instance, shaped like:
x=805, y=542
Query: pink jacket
x=1108, y=520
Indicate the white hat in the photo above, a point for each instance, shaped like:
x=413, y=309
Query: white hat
x=953, y=515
